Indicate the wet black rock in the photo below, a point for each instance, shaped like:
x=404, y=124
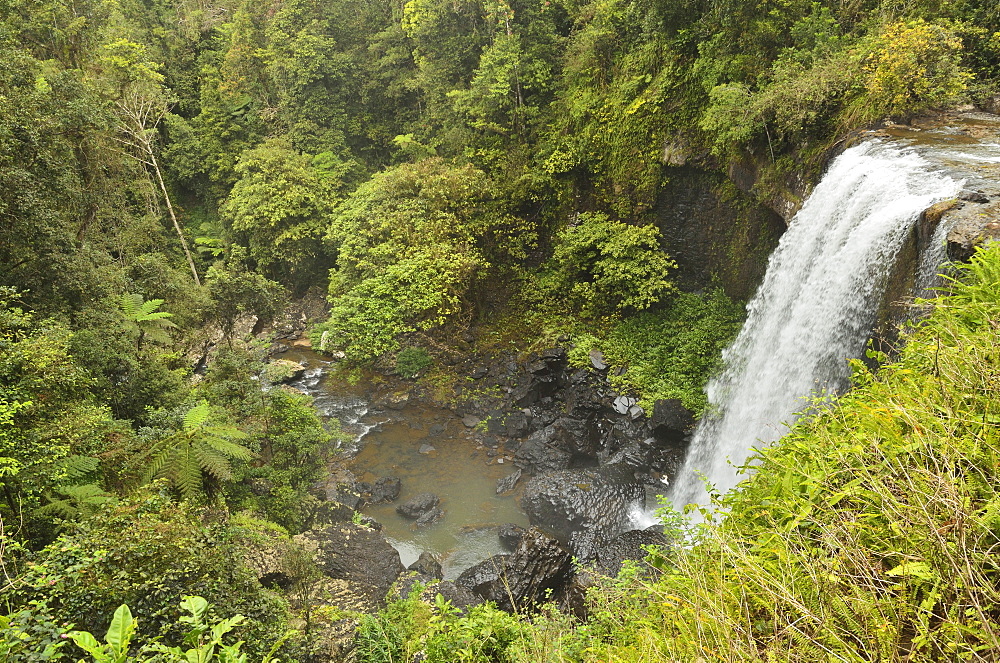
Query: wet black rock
x=583, y=509
x=536, y=455
x=430, y=517
x=973, y=196
x=671, y=421
x=355, y=554
x=385, y=489
x=417, y=506
x=538, y=569
x=629, y=546
x=482, y=573
x=428, y=565
x=517, y=424
x=555, y=446
x=510, y=535
x=344, y=494
x=508, y=483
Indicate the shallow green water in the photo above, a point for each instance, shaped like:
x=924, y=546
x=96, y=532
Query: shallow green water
x=458, y=470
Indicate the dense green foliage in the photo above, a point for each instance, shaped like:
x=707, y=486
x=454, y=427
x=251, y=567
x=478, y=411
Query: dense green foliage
x=170, y=172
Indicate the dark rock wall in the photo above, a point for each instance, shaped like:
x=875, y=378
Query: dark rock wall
x=715, y=232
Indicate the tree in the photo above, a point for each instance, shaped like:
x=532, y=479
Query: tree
x=142, y=103
x=602, y=266
x=279, y=207
x=413, y=244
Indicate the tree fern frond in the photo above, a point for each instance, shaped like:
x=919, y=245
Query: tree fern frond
x=224, y=432
x=155, y=469
x=189, y=475
x=77, y=467
x=213, y=463
x=148, y=308
x=81, y=500
x=228, y=448
x=58, y=508
x=131, y=305
x=197, y=416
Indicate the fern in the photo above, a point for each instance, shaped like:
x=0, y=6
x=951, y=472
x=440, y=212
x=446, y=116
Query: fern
x=146, y=320
x=77, y=467
x=76, y=502
x=200, y=448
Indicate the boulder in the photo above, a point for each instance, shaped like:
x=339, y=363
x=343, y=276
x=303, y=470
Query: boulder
x=539, y=569
x=583, y=509
x=671, y=422
x=629, y=545
x=283, y=370
x=428, y=565
x=536, y=455
x=359, y=558
x=430, y=517
x=510, y=535
x=508, y=483
x=483, y=573
x=417, y=506
x=385, y=489
x=554, y=447
x=517, y=424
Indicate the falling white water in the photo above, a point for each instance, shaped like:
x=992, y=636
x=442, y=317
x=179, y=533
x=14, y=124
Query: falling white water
x=814, y=309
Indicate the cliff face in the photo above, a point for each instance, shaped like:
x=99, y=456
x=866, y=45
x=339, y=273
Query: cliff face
x=717, y=233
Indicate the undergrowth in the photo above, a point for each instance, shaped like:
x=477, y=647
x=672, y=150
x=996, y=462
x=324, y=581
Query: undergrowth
x=868, y=533
x=669, y=352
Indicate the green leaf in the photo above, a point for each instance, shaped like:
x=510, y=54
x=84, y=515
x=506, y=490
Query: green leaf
x=197, y=416
x=197, y=606
x=121, y=630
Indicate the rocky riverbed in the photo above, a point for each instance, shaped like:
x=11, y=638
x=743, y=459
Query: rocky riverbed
x=490, y=494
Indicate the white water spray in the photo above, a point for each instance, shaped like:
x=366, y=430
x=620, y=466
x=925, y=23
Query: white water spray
x=814, y=309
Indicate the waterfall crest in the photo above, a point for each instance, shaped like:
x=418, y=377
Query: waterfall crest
x=814, y=309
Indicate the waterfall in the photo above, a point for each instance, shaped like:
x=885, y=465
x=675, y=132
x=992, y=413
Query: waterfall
x=814, y=309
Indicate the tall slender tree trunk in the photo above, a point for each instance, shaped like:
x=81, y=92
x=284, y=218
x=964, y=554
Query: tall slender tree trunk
x=140, y=114
x=173, y=216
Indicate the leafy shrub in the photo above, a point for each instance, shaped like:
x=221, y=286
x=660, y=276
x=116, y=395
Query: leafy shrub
x=410, y=361
x=913, y=66
x=602, y=266
x=412, y=243
x=440, y=633
x=672, y=352
x=148, y=552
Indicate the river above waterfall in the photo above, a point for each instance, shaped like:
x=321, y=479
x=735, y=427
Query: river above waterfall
x=429, y=449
